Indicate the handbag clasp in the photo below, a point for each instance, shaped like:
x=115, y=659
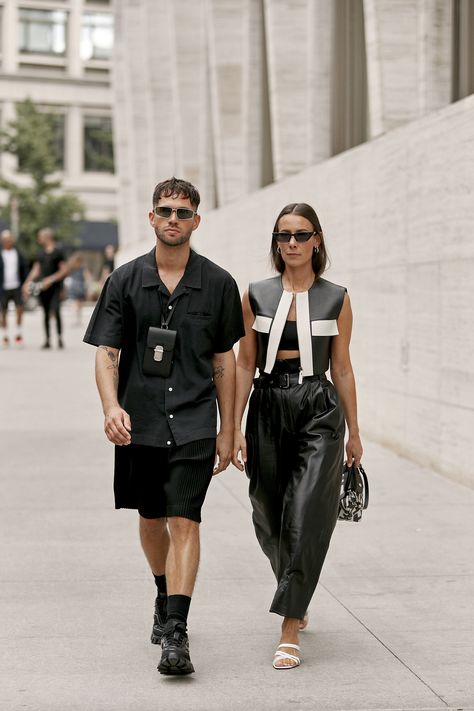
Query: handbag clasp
x=158, y=353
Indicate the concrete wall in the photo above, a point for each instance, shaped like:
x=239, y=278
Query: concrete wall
x=398, y=216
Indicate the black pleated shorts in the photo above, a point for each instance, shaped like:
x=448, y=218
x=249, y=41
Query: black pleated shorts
x=164, y=481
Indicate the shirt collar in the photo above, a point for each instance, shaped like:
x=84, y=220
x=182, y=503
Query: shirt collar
x=191, y=276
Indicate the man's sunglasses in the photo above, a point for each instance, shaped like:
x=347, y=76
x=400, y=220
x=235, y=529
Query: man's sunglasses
x=286, y=236
x=182, y=213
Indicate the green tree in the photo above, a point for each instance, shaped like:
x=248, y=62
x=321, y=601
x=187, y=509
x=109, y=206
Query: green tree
x=41, y=203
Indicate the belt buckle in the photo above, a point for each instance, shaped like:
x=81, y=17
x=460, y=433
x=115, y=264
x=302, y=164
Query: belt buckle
x=284, y=380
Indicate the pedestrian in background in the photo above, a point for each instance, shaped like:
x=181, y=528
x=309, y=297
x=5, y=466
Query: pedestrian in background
x=78, y=280
x=49, y=270
x=297, y=325
x=12, y=275
x=173, y=316
x=109, y=264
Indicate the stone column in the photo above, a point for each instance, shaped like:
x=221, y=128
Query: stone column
x=224, y=18
x=408, y=60
x=298, y=51
x=191, y=109
x=74, y=27
x=74, y=144
x=10, y=18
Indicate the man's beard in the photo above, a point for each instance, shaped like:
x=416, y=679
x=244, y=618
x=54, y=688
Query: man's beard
x=172, y=242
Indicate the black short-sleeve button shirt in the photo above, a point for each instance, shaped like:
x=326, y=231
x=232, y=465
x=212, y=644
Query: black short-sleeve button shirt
x=207, y=315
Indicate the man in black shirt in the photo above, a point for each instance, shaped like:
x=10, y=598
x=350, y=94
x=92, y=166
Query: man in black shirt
x=168, y=308
x=49, y=270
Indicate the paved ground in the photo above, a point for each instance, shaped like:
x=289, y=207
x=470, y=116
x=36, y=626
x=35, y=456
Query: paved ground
x=391, y=624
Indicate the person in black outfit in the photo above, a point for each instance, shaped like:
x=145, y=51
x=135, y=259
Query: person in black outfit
x=49, y=269
x=12, y=275
x=163, y=424
x=297, y=326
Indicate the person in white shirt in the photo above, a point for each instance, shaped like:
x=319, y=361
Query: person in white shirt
x=12, y=276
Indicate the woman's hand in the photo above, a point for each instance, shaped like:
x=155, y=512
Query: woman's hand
x=240, y=446
x=354, y=450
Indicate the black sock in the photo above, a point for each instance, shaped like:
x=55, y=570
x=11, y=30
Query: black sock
x=160, y=582
x=178, y=607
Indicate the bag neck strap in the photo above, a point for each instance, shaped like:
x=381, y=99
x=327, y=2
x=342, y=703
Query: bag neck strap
x=169, y=312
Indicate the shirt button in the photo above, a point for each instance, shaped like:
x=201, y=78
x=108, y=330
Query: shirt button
x=168, y=442
x=170, y=389
x=171, y=417
x=170, y=307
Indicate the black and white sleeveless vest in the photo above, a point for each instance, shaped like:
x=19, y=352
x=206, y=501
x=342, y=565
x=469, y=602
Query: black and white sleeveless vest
x=317, y=311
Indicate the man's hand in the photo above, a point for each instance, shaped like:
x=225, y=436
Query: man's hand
x=117, y=426
x=240, y=446
x=224, y=445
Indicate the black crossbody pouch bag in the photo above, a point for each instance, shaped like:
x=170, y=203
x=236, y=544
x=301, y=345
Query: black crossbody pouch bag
x=159, y=350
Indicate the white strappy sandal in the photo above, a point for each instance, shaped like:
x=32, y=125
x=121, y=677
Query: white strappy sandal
x=285, y=655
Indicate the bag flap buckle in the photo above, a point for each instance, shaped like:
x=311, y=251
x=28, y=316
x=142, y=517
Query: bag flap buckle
x=158, y=353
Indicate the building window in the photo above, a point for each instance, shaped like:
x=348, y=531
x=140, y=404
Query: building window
x=97, y=36
x=98, y=144
x=43, y=32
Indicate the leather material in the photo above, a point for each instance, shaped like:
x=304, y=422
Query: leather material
x=289, y=337
x=325, y=303
x=295, y=451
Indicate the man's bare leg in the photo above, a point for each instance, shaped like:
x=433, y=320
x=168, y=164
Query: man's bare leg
x=183, y=557
x=155, y=540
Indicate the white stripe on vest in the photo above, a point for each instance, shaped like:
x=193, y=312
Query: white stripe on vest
x=262, y=324
x=303, y=325
x=324, y=327
x=277, y=329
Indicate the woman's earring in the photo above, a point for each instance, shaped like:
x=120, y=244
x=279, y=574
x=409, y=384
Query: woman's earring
x=316, y=249
x=279, y=250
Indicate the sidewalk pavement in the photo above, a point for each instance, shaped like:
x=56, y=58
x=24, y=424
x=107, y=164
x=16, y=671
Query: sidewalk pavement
x=391, y=624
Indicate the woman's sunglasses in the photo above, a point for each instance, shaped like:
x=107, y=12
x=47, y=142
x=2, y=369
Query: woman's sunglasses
x=286, y=236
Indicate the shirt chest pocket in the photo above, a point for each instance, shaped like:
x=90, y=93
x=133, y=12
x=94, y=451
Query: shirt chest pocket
x=198, y=308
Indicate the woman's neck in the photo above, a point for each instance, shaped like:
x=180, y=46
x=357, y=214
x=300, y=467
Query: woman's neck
x=297, y=280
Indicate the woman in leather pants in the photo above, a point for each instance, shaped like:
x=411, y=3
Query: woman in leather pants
x=297, y=326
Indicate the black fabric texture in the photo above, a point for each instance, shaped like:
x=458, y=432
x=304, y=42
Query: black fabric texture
x=162, y=482
x=207, y=316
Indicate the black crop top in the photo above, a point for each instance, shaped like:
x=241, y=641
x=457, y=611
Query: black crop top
x=289, y=337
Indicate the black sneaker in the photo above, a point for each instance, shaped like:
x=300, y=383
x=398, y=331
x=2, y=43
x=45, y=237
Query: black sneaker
x=175, y=658
x=159, y=618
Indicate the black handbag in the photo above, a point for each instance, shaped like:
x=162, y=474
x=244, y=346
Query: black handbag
x=159, y=351
x=354, y=496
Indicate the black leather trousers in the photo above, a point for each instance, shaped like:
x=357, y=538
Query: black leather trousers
x=295, y=451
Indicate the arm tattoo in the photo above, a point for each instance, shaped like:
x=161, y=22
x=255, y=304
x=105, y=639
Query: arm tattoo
x=218, y=372
x=113, y=363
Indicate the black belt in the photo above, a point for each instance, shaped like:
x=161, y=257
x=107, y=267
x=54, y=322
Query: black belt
x=284, y=380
